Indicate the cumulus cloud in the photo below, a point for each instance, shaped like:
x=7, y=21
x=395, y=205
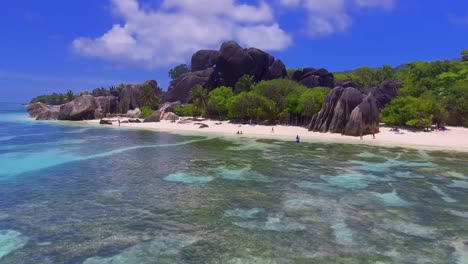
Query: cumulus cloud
x=325, y=17
x=170, y=34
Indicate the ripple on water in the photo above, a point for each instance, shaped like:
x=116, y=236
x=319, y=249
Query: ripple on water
x=461, y=250
x=161, y=250
x=11, y=240
x=243, y=213
x=459, y=184
x=409, y=228
x=245, y=174
x=392, y=199
x=443, y=195
x=389, y=165
x=352, y=180
x=457, y=175
x=458, y=213
x=187, y=178
x=273, y=223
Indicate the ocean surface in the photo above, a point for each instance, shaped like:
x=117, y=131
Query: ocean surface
x=79, y=194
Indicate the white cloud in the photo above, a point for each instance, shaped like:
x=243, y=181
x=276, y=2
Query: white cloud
x=326, y=17
x=169, y=35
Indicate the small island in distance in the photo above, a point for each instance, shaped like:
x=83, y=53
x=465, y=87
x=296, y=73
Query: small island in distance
x=251, y=87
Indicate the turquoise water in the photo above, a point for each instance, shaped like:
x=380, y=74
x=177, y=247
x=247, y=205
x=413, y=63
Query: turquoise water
x=77, y=194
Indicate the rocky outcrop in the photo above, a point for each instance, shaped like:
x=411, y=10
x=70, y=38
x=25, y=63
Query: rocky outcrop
x=170, y=116
x=385, y=92
x=179, y=89
x=312, y=78
x=81, y=108
x=135, y=113
x=49, y=114
x=130, y=95
x=204, y=59
x=349, y=111
x=105, y=106
x=211, y=69
x=36, y=109
x=364, y=118
x=163, y=113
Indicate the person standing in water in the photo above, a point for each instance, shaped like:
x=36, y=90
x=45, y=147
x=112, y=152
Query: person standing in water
x=298, y=139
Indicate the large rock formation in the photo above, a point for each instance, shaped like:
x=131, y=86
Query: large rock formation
x=162, y=113
x=204, y=59
x=312, y=78
x=36, y=109
x=49, y=114
x=135, y=113
x=211, y=69
x=81, y=108
x=105, y=105
x=350, y=111
x=179, y=89
x=130, y=95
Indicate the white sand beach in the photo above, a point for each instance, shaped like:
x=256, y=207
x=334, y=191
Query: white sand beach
x=454, y=138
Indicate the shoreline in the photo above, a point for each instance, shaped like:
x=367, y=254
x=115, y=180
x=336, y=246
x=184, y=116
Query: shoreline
x=454, y=139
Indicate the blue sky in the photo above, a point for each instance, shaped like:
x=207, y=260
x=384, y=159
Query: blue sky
x=53, y=45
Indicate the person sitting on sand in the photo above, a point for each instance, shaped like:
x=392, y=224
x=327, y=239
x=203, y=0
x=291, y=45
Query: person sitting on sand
x=238, y=132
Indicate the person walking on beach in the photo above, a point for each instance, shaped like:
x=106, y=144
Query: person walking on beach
x=373, y=132
x=272, y=129
x=119, y=121
x=298, y=139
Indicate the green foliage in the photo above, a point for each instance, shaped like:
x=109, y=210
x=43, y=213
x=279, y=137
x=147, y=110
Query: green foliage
x=310, y=102
x=146, y=111
x=411, y=111
x=70, y=96
x=199, y=97
x=244, y=84
x=218, y=100
x=148, y=98
x=249, y=105
x=367, y=76
x=52, y=99
x=178, y=70
x=186, y=110
x=84, y=93
x=464, y=55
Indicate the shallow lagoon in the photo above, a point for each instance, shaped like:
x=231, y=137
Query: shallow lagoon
x=71, y=194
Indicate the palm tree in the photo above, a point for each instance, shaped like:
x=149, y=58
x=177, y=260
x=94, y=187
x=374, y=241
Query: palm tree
x=148, y=98
x=199, y=97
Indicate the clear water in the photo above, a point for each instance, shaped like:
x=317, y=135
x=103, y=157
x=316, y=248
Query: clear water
x=76, y=194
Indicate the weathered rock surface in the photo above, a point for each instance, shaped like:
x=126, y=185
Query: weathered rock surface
x=170, y=116
x=35, y=109
x=49, y=114
x=204, y=59
x=160, y=114
x=312, y=78
x=105, y=122
x=365, y=118
x=135, y=113
x=179, y=89
x=81, y=108
x=349, y=111
x=130, y=96
x=211, y=68
x=105, y=106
